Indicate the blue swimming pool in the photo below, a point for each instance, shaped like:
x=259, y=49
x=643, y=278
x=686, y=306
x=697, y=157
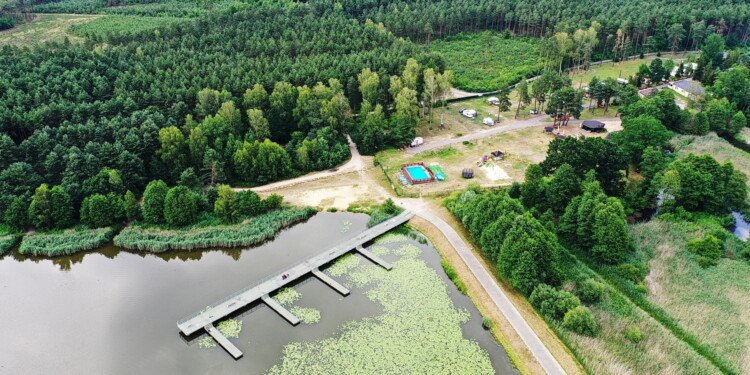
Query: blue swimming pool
x=417, y=173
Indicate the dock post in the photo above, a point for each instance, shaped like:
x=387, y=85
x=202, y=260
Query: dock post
x=331, y=282
x=293, y=320
x=374, y=258
x=223, y=341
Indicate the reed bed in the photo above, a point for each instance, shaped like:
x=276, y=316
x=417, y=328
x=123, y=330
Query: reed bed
x=7, y=242
x=66, y=242
x=247, y=233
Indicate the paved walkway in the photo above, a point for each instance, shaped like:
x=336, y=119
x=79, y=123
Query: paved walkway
x=529, y=337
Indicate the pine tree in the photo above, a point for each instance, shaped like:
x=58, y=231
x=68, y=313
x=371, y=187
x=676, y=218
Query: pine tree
x=611, y=238
x=540, y=265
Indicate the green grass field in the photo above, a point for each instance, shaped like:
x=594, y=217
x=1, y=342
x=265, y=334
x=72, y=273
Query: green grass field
x=46, y=28
x=508, y=60
x=610, y=352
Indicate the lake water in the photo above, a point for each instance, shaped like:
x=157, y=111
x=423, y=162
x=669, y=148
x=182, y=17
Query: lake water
x=114, y=312
x=741, y=227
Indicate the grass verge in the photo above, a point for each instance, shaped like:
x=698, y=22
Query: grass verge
x=66, y=242
x=250, y=232
x=7, y=242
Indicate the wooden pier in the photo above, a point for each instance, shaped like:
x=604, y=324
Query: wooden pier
x=206, y=318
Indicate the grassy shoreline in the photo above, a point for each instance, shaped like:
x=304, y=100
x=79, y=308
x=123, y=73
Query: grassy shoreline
x=247, y=233
x=7, y=242
x=66, y=242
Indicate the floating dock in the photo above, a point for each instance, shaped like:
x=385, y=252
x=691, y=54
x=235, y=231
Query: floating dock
x=206, y=318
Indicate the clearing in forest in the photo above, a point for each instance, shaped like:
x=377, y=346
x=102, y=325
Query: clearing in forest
x=45, y=28
x=506, y=61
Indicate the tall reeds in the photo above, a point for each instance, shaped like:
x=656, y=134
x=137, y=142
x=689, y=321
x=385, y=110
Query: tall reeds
x=67, y=242
x=250, y=232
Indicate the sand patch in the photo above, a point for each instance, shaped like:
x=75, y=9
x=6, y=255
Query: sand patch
x=494, y=172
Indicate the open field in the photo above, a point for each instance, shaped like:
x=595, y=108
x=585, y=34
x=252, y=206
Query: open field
x=710, y=303
x=618, y=70
x=507, y=61
x=46, y=28
x=610, y=351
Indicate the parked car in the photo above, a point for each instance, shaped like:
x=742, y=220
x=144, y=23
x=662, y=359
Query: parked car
x=534, y=112
x=470, y=113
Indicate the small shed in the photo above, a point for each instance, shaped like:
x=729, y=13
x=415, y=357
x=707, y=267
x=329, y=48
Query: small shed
x=467, y=173
x=488, y=121
x=593, y=126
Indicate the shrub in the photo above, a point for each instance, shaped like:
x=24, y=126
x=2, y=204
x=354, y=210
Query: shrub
x=551, y=302
x=487, y=323
x=273, y=202
x=580, y=320
x=708, y=247
x=453, y=276
x=706, y=262
x=631, y=272
x=641, y=288
x=634, y=334
x=591, y=291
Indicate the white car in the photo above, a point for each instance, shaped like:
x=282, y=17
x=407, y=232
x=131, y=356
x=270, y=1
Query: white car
x=470, y=113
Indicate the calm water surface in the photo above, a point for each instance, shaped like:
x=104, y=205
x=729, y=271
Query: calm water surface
x=114, y=312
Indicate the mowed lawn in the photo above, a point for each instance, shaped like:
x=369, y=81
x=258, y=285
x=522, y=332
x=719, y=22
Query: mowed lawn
x=711, y=303
x=45, y=28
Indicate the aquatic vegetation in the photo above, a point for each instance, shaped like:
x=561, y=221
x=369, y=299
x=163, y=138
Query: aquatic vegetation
x=306, y=315
x=380, y=250
x=66, y=242
x=287, y=296
x=206, y=342
x=347, y=226
x=342, y=265
x=408, y=251
x=391, y=238
x=6, y=242
x=250, y=232
x=419, y=331
x=230, y=328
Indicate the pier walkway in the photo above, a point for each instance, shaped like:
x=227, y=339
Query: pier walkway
x=206, y=318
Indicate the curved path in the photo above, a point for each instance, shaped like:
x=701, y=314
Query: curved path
x=529, y=337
